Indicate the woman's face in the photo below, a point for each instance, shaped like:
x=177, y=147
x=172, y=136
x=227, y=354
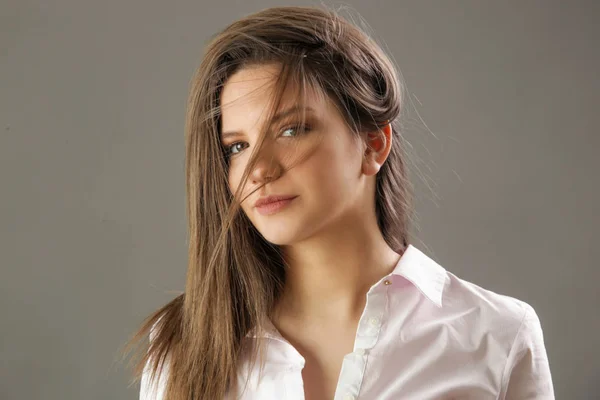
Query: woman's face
x=326, y=177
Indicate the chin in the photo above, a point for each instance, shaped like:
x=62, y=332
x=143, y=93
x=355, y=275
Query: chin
x=278, y=233
x=278, y=238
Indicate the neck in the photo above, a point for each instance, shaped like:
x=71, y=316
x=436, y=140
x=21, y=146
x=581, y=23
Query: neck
x=329, y=274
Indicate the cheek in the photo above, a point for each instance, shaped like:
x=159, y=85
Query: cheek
x=333, y=173
x=233, y=183
x=234, y=178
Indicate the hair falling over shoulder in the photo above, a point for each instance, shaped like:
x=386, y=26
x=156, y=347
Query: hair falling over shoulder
x=234, y=275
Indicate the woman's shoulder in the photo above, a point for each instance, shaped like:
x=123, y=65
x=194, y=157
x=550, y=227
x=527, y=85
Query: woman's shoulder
x=512, y=326
x=501, y=332
x=458, y=296
x=506, y=318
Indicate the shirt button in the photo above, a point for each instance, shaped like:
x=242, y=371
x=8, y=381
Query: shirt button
x=349, y=396
x=387, y=282
x=374, y=321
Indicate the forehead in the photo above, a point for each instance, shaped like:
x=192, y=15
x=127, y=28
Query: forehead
x=247, y=95
x=256, y=81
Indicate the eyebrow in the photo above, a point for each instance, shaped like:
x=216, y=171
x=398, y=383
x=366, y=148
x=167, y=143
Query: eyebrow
x=280, y=115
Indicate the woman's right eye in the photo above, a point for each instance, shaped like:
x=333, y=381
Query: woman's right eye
x=232, y=147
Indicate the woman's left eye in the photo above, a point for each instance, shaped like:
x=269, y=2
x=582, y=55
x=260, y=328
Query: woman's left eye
x=298, y=128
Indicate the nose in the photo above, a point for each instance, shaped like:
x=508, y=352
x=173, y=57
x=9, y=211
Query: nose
x=267, y=168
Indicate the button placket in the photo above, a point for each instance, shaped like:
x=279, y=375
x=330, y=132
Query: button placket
x=369, y=326
x=353, y=368
x=375, y=322
x=371, y=320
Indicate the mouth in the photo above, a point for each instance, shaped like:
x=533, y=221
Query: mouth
x=273, y=206
x=272, y=199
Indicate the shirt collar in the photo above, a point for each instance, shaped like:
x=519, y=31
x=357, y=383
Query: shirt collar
x=415, y=266
x=423, y=272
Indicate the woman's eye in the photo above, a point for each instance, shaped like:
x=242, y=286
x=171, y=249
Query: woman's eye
x=237, y=147
x=232, y=147
x=298, y=128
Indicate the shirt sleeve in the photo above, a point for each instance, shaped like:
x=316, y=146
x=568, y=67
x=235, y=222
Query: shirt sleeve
x=527, y=373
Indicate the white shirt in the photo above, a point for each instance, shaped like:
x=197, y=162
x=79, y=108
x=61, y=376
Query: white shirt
x=424, y=334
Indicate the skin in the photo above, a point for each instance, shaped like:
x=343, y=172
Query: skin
x=329, y=233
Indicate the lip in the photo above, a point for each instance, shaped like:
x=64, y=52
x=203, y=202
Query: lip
x=272, y=199
x=271, y=205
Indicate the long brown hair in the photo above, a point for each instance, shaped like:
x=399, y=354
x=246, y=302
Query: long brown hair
x=234, y=275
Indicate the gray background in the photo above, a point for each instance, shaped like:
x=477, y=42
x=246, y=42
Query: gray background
x=92, y=214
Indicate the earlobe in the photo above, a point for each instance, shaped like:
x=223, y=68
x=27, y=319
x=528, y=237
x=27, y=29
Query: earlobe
x=370, y=166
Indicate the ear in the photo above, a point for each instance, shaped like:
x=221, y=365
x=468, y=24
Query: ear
x=378, y=146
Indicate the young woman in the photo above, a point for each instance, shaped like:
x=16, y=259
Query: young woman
x=302, y=282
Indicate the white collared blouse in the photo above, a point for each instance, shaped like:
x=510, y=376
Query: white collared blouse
x=424, y=334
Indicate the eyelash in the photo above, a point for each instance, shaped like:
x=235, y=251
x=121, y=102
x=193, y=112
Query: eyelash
x=302, y=128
